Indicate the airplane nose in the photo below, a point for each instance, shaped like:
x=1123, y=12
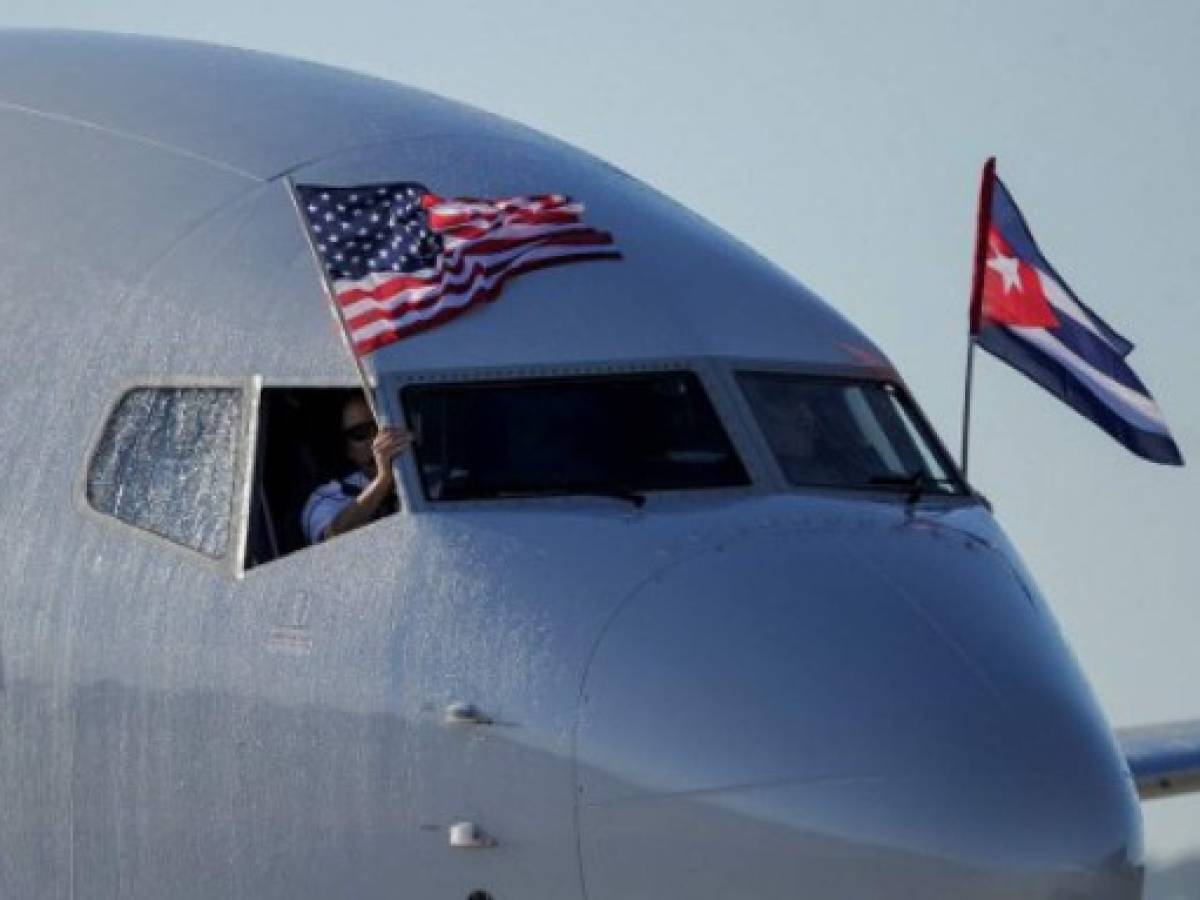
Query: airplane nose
x=884, y=712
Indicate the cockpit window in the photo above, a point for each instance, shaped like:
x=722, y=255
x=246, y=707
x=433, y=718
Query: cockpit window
x=166, y=463
x=611, y=435
x=310, y=446
x=838, y=433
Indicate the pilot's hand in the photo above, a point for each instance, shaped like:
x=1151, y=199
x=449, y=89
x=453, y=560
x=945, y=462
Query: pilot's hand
x=388, y=444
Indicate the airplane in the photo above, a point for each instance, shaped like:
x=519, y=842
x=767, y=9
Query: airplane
x=617, y=644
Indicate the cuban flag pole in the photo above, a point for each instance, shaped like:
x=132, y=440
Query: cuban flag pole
x=1023, y=313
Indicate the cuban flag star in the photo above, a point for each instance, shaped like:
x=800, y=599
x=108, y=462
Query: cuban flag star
x=1023, y=313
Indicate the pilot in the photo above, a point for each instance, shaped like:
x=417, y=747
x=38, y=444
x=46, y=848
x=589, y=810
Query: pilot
x=793, y=429
x=369, y=492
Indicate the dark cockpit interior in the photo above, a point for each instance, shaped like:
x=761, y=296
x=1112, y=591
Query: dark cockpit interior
x=299, y=448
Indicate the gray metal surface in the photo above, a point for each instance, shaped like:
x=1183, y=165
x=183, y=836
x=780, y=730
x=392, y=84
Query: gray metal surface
x=748, y=694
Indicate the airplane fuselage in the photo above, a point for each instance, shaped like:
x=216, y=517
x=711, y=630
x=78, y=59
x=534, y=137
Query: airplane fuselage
x=747, y=687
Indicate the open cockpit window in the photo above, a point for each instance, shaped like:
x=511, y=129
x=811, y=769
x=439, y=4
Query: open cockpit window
x=847, y=434
x=312, y=443
x=618, y=436
x=166, y=462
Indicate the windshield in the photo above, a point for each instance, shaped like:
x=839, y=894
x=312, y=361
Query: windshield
x=612, y=435
x=846, y=434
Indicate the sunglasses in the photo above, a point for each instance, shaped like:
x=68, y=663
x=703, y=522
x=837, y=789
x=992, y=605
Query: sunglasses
x=363, y=431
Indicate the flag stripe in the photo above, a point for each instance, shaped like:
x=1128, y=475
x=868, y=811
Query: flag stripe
x=434, y=316
x=1067, y=306
x=385, y=285
x=1093, y=350
x=473, y=278
x=502, y=238
x=386, y=301
x=1139, y=408
x=1031, y=361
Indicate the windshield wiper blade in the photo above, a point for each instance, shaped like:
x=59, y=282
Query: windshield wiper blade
x=610, y=493
x=638, y=500
x=916, y=482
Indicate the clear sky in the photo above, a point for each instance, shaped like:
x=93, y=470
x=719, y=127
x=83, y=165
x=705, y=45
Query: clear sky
x=843, y=141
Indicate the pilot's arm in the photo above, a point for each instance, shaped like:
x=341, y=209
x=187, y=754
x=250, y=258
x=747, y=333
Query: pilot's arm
x=332, y=511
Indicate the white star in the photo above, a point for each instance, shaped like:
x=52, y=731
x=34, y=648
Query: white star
x=1008, y=268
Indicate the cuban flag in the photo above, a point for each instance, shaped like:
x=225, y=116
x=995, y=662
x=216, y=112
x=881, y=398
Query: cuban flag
x=1025, y=314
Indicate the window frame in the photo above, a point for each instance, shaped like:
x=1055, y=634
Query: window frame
x=707, y=371
x=230, y=562
x=966, y=496
x=718, y=377
x=254, y=461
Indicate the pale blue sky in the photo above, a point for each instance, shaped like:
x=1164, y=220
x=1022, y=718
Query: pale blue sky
x=843, y=140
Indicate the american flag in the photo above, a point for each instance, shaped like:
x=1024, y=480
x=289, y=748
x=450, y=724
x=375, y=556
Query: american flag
x=401, y=259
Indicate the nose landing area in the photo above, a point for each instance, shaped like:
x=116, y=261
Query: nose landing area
x=903, y=724
x=731, y=846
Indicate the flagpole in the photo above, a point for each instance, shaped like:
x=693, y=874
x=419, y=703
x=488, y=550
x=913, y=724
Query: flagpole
x=966, y=420
x=334, y=307
x=975, y=320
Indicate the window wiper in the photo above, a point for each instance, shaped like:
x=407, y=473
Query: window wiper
x=629, y=496
x=611, y=493
x=915, y=482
